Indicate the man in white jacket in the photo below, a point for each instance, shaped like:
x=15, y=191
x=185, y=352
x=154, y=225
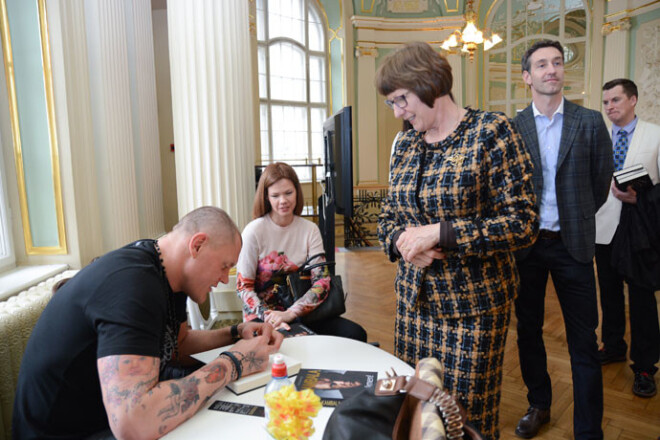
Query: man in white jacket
x=635, y=142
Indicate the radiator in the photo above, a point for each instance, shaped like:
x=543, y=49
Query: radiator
x=18, y=315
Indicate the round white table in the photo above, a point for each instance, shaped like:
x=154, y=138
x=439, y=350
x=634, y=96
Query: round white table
x=327, y=352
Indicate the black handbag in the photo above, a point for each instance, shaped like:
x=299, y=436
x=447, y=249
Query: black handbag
x=402, y=408
x=300, y=282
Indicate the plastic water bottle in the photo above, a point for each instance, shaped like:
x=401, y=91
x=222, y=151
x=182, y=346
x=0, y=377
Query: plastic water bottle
x=279, y=377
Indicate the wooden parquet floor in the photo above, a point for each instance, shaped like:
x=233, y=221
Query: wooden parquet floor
x=368, y=278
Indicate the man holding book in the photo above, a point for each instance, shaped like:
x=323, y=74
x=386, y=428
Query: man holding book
x=636, y=144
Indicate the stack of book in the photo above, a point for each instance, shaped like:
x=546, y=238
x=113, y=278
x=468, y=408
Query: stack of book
x=635, y=177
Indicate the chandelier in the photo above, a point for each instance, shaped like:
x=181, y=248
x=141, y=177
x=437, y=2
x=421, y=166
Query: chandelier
x=470, y=36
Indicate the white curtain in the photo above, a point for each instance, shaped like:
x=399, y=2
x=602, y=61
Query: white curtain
x=212, y=105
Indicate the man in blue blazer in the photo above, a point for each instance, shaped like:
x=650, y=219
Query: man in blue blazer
x=572, y=155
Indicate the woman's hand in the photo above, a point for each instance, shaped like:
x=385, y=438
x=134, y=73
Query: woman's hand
x=418, y=245
x=279, y=319
x=251, y=329
x=425, y=258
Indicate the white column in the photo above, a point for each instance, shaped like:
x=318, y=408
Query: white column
x=647, y=67
x=366, y=116
x=166, y=133
x=145, y=117
x=470, y=78
x=617, y=53
x=616, y=31
x=596, y=56
x=455, y=61
x=113, y=125
x=212, y=104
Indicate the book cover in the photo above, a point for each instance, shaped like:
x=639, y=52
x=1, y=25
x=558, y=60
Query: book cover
x=333, y=386
x=255, y=380
x=297, y=329
x=635, y=176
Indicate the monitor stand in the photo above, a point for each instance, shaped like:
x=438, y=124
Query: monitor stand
x=327, y=227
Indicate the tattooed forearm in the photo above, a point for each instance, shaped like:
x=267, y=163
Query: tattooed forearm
x=216, y=373
x=136, y=401
x=117, y=396
x=251, y=362
x=175, y=398
x=190, y=392
x=181, y=397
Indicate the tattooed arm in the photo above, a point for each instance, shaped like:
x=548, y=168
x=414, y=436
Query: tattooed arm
x=140, y=407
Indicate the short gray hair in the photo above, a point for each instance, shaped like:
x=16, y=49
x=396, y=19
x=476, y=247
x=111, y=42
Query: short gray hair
x=211, y=220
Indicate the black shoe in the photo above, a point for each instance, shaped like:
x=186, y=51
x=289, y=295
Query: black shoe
x=644, y=385
x=532, y=421
x=607, y=357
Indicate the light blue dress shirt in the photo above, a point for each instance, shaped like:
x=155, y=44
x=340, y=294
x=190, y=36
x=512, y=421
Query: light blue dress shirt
x=548, y=131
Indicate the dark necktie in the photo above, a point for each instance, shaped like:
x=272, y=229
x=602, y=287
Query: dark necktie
x=620, y=150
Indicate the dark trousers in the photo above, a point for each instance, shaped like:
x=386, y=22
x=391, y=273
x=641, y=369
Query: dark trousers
x=575, y=285
x=643, y=311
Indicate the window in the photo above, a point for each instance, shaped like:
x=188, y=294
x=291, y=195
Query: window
x=522, y=22
x=292, y=82
x=7, y=259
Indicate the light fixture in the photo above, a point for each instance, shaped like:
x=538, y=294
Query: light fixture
x=470, y=37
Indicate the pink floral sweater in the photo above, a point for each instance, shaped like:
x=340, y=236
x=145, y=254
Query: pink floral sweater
x=271, y=252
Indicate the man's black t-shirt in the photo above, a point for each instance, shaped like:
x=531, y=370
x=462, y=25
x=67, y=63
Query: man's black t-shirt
x=116, y=305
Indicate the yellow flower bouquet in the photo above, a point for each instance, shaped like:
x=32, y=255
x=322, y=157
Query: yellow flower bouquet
x=291, y=413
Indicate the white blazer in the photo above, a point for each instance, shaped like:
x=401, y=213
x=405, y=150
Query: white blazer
x=644, y=149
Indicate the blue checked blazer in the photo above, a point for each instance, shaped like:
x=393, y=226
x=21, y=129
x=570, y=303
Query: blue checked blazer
x=584, y=172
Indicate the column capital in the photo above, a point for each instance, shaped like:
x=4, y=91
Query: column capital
x=363, y=51
x=623, y=24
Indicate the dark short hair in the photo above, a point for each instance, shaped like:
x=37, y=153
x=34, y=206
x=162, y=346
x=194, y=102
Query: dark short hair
x=525, y=64
x=272, y=174
x=418, y=68
x=629, y=87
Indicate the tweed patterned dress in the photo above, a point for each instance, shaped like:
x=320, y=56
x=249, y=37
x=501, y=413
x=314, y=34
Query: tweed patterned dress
x=458, y=309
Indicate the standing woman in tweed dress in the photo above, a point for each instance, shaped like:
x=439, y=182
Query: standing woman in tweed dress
x=460, y=202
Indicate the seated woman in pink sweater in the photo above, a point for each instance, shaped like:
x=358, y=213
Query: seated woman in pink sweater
x=275, y=244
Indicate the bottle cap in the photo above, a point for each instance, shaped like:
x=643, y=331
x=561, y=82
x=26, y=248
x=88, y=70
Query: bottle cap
x=279, y=367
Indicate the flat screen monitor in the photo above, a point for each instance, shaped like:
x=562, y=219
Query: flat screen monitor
x=338, y=137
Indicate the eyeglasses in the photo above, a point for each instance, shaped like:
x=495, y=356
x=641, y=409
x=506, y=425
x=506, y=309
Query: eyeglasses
x=400, y=101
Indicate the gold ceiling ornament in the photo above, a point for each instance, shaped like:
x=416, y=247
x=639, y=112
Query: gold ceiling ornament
x=470, y=37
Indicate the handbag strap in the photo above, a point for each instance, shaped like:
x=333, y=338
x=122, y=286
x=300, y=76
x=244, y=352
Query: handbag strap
x=306, y=267
x=314, y=266
x=452, y=413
